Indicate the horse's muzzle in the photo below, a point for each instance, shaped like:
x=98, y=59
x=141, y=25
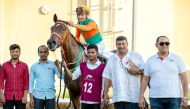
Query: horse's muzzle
x=52, y=45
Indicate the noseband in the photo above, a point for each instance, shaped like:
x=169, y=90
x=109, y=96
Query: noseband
x=62, y=39
x=57, y=35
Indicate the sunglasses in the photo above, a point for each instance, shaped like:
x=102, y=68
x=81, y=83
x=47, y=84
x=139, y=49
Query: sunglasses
x=162, y=43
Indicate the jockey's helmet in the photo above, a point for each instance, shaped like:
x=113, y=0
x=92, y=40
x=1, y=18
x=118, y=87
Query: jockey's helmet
x=82, y=9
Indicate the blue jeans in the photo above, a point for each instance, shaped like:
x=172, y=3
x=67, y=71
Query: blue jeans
x=47, y=103
x=126, y=105
x=165, y=103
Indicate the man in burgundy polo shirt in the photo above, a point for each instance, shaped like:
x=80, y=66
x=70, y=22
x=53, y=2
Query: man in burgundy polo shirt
x=14, y=80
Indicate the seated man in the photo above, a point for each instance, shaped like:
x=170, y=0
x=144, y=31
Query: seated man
x=88, y=28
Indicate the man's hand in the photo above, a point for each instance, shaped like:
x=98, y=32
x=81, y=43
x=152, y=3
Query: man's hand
x=142, y=103
x=133, y=69
x=2, y=98
x=70, y=23
x=105, y=101
x=24, y=99
x=85, y=44
x=64, y=64
x=57, y=63
x=184, y=102
x=31, y=101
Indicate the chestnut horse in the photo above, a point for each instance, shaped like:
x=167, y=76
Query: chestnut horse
x=72, y=52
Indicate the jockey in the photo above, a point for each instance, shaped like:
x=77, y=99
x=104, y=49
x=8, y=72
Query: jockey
x=88, y=28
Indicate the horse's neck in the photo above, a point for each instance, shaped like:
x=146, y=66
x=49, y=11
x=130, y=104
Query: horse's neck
x=71, y=47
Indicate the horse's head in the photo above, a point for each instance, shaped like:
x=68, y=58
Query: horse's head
x=58, y=34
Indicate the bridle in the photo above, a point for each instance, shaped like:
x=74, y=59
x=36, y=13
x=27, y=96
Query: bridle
x=59, y=36
x=62, y=41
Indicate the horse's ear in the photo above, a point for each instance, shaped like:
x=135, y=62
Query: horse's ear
x=55, y=18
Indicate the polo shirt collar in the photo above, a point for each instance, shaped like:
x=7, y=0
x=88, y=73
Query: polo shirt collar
x=128, y=55
x=97, y=62
x=169, y=56
x=41, y=63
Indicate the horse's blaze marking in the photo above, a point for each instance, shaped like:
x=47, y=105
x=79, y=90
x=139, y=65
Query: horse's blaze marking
x=57, y=24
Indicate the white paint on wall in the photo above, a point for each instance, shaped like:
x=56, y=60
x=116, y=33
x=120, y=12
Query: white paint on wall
x=152, y=19
x=1, y=30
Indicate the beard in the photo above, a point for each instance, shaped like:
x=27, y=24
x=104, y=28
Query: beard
x=43, y=58
x=15, y=57
x=92, y=59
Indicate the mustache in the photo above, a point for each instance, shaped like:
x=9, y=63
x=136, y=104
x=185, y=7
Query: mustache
x=121, y=48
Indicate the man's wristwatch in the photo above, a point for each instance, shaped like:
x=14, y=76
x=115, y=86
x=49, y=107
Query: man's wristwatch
x=140, y=71
x=185, y=98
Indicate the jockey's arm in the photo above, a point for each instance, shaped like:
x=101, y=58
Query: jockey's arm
x=77, y=37
x=91, y=25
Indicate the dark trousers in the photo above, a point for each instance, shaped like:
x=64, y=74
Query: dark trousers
x=41, y=104
x=9, y=104
x=90, y=106
x=126, y=105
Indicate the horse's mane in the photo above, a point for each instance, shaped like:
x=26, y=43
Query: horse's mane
x=72, y=34
x=76, y=40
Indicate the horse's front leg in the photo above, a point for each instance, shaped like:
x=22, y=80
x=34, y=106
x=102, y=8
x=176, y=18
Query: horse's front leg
x=76, y=102
x=74, y=92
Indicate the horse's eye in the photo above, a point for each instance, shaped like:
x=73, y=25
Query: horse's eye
x=64, y=28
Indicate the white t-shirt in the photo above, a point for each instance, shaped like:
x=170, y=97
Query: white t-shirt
x=164, y=76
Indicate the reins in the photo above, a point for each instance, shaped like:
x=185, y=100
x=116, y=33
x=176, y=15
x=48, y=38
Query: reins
x=58, y=106
x=63, y=51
